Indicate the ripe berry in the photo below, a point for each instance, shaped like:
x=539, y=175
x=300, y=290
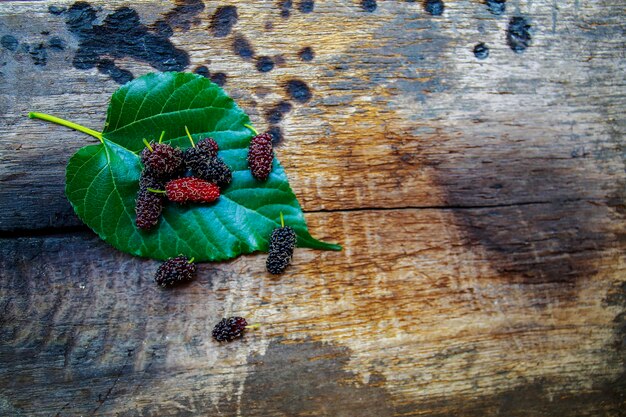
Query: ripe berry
x=191, y=189
x=229, y=329
x=260, y=156
x=162, y=160
x=282, y=243
x=175, y=271
x=214, y=170
x=201, y=151
x=148, y=205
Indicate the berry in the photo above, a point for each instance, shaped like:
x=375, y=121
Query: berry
x=205, y=149
x=214, y=170
x=162, y=160
x=191, y=189
x=282, y=243
x=175, y=271
x=229, y=329
x=148, y=205
x=260, y=156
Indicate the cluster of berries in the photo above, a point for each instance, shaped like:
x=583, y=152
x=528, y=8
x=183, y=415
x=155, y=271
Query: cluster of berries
x=164, y=176
x=165, y=168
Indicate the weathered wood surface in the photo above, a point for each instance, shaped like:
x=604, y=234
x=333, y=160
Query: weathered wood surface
x=481, y=205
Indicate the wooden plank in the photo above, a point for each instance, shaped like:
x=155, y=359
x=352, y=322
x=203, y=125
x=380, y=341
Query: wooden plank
x=397, y=117
x=481, y=206
x=405, y=321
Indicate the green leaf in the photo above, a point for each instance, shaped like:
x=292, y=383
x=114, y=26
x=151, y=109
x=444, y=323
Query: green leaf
x=102, y=180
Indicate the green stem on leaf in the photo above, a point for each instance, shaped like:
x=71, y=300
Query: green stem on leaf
x=190, y=138
x=282, y=220
x=161, y=138
x=252, y=129
x=147, y=145
x=66, y=123
x=191, y=260
x=152, y=190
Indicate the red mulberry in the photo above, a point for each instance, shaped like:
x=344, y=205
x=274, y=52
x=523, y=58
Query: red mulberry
x=148, y=205
x=161, y=160
x=175, y=271
x=282, y=243
x=229, y=329
x=191, y=189
x=260, y=156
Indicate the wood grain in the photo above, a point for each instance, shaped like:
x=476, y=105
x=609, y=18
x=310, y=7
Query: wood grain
x=480, y=203
x=411, y=321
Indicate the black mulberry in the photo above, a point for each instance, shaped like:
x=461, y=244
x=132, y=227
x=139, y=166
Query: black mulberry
x=229, y=329
x=161, y=160
x=282, y=244
x=260, y=156
x=202, y=151
x=175, y=271
x=149, y=205
x=214, y=170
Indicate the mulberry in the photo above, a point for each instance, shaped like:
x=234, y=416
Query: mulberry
x=162, y=160
x=282, y=244
x=175, y=271
x=191, y=189
x=201, y=151
x=148, y=205
x=214, y=170
x=260, y=156
x=229, y=329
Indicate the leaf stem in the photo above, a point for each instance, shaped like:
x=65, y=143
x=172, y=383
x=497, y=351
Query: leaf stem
x=66, y=123
x=147, y=145
x=252, y=129
x=190, y=138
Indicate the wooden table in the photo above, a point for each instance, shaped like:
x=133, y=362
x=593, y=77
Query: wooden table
x=480, y=203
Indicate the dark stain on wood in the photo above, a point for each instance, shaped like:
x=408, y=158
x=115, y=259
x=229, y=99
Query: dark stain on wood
x=369, y=5
x=183, y=16
x=285, y=8
x=264, y=64
x=306, y=54
x=518, y=35
x=525, y=241
x=277, y=135
x=242, y=47
x=202, y=70
x=37, y=52
x=481, y=51
x=119, y=75
x=223, y=20
x=309, y=378
x=219, y=78
x=56, y=10
x=298, y=90
x=56, y=43
x=496, y=7
x=434, y=7
x=9, y=42
x=121, y=35
x=276, y=113
x=306, y=6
